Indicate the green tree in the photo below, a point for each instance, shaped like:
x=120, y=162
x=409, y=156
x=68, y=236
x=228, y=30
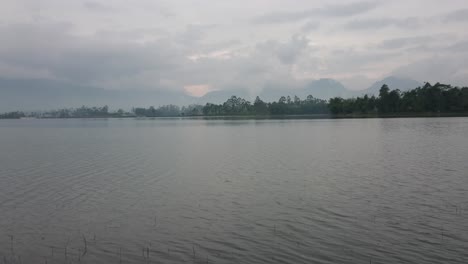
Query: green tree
x=260, y=107
x=384, y=103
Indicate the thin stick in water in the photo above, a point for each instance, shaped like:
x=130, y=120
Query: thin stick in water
x=85, y=246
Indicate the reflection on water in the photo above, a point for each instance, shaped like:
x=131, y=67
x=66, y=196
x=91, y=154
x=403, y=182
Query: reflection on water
x=234, y=191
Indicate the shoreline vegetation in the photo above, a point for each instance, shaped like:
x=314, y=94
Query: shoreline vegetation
x=439, y=100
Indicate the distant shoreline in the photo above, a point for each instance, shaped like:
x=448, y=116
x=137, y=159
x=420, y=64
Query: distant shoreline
x=266, y=117
x=440, y=100
x=322, y=116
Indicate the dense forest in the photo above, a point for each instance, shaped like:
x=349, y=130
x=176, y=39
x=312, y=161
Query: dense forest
x=432, y=99
x=438, y=98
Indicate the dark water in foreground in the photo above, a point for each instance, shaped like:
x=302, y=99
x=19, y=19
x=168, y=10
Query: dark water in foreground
x=200, y=191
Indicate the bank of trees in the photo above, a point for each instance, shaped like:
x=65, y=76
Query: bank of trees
x=168, y=111
x=237, y=106
x=284, y=106
x=437, y=98
x=81, y=112
x=12, y=115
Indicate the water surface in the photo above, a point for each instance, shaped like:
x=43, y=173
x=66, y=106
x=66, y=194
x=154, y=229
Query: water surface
x=234, y=191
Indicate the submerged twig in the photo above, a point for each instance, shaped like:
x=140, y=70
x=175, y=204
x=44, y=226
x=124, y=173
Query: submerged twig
x=66, y=248
x=11, y=245
x=85, y=246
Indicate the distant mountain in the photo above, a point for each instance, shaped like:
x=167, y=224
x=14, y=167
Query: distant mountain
x=42, y=94
x=322, y=88
x=220, y=96
x=403, y=84
x=326, y=89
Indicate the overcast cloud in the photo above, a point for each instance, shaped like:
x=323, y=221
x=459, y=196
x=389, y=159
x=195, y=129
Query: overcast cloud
x=211, y=45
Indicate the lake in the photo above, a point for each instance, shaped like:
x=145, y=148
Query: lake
x=234, y=191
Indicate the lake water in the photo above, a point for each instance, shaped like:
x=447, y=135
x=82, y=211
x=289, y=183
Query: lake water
x=234, y=191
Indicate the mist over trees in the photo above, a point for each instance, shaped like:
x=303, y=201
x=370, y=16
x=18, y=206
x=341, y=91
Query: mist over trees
x=168, y=111
x=284, y=106
x=81, y=112
x=438, y=98
x=12, y=115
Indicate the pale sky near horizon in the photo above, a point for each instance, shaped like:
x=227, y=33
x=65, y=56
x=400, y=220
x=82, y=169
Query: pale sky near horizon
x=203, y=45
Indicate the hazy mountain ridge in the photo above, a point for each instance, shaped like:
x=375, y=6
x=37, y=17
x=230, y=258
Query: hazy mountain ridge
x=42, y=94
x=321, y=88
x=393, y=82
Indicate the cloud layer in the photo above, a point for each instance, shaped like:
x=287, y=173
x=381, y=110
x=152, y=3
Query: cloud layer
x=206, y=45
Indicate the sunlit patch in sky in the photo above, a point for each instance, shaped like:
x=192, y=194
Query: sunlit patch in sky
x=219, y=54
x=197, y=90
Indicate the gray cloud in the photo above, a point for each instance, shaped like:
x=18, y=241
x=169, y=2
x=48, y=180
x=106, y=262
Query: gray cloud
x=349, y=9
x=161, y=64
x=397, y=43
x=461, y=46
x=456, y=16
x=81, y=59
x=194, y=32
x=379, y=23
x=201, y=44
x=358, y=61
x=267, y=62
x=328, y=11
x=96, y=6
x=290, y=51
x=445, y=69
x=310, y=26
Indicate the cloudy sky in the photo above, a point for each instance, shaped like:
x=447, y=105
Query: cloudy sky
x=200, y=45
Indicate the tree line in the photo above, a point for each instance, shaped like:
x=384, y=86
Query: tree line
x=284, y=106
x=12, y=115
x=168, y=111
x=81, y=112
x=237, y=106
x=438, y=98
